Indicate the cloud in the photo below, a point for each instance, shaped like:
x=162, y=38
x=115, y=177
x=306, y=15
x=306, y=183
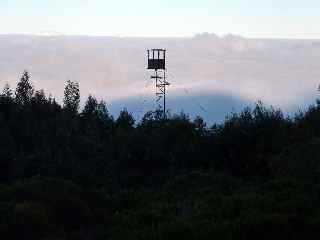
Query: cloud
x=283, y=73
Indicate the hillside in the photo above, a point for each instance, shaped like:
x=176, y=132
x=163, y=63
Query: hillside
x=82, y=174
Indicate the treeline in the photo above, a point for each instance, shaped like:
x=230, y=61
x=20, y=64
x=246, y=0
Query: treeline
x=71, y=174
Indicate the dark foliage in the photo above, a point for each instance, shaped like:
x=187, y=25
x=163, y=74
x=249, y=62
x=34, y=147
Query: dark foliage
x=71, y=97
x=66, y=174
x=24, y=90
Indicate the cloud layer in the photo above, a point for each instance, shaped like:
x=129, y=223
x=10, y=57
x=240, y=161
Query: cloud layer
x=284, y=73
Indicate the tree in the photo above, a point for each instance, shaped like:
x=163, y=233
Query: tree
x=40, y=97
x=199, y=123
x=91, y=106
x=24, y=90
x=96, y=110
x=125, y=120
x=7, y=92
x=71, y=97
x=103, y=111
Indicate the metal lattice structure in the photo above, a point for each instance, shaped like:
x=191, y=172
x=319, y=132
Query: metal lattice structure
x=157, y=62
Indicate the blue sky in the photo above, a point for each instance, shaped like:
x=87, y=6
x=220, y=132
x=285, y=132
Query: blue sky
x=250, y=18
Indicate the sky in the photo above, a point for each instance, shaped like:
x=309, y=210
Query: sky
x=162, y=18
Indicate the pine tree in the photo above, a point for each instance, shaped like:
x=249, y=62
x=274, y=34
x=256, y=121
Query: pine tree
x=24, y=90
x=103, y=111
x=125, y=120
x=71, y=99
x=91, y=106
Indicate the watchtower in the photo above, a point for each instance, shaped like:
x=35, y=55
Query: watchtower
x=157, y=62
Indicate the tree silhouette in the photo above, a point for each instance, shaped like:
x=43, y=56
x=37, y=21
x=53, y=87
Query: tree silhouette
x=91, y=106
x=103, y=111
x=199, y=123
x=125, y=120
x=71, y=97
x=7, y=92
x=39, y=97
x=24, y=90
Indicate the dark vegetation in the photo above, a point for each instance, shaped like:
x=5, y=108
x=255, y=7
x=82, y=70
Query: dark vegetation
x=66, y=174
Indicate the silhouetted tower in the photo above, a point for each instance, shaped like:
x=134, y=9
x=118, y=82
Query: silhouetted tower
x=157, y=62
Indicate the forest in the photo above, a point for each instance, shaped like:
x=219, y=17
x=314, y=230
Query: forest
x=79, y=173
